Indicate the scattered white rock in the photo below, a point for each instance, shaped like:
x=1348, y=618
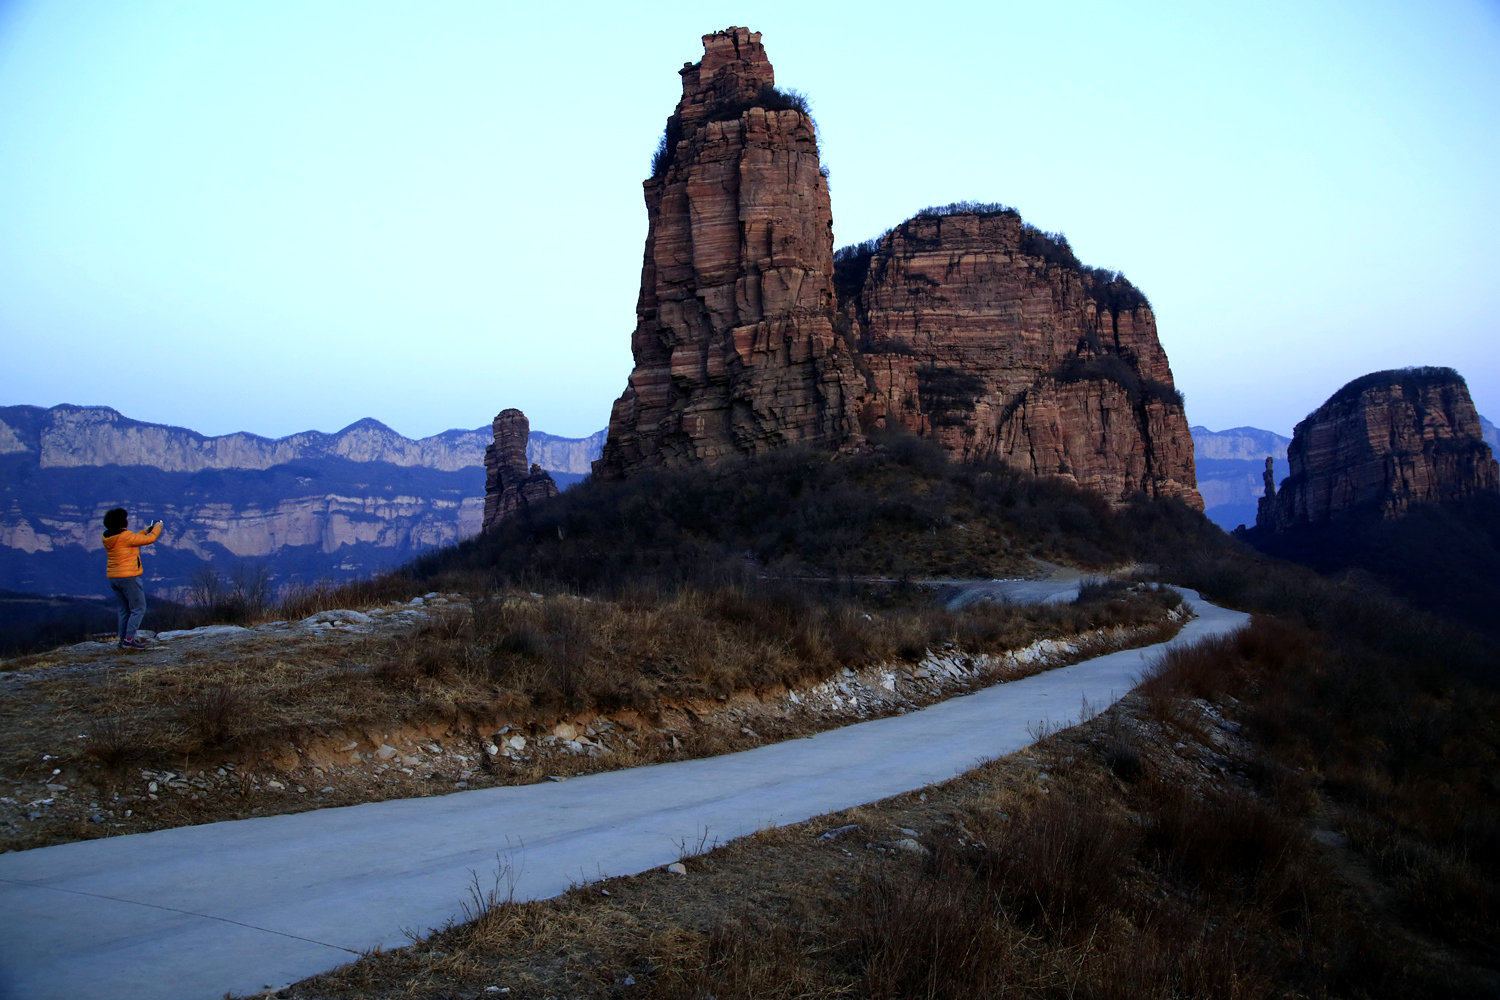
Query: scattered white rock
x=677, y=868
x=203, y=632
x=338, y=616
x=386, y=752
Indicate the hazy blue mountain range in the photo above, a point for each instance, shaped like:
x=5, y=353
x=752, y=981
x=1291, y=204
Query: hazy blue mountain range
x=302, y=508
x=1231, y=466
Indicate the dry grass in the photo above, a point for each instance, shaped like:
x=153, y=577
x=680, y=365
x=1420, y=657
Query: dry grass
x=277, y=702
x=1150, y=853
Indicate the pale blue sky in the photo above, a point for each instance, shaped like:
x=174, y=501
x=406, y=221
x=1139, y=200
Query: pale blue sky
x=277, y=216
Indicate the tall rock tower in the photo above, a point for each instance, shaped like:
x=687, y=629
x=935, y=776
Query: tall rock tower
x=734, y=345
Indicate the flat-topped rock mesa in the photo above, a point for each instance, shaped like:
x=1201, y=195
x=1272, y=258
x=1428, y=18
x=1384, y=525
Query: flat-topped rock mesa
x=988, y=335
x=511, y=484
x=734, y=346
x=1380, y=445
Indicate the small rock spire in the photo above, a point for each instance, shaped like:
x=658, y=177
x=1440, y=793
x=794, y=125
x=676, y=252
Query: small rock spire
x=509, y=487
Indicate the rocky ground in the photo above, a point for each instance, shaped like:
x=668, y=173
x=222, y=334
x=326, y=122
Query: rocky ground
x=57, y=786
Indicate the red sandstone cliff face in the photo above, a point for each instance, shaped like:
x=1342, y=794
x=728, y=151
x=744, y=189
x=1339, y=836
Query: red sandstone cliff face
x=975, y=330
x=1381, y=444
x=735, y=350
x=990, y=337
x=510, y=486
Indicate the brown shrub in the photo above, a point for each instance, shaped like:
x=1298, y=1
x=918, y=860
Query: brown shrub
x=935, y=936
x=214, y=715
x=1056, y=866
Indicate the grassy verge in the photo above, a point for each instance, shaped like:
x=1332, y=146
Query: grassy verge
x=200, y=731
x=1171, y=847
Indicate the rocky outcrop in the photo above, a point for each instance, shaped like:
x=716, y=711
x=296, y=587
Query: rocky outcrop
x=734, y=346
x=511, y=484
x=992, y=338
x=1381, y=445
x=971, y=327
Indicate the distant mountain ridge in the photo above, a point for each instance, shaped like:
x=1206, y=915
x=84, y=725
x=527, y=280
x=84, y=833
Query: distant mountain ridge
x=302, y=508
x=69, y=436
x=1231, y=466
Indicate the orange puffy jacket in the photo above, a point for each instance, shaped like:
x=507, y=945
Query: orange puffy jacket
x=123, y=550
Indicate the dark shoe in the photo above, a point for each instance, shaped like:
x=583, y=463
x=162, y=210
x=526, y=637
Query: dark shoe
x=132, y=644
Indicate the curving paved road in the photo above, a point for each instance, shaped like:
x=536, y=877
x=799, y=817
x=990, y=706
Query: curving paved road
x=194, y=912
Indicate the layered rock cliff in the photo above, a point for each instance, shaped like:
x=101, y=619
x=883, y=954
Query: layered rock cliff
x=1381, y=445
x=511, y=484
x=305, y=508
x=991, y=337
x=971, y=327
x=734, y=346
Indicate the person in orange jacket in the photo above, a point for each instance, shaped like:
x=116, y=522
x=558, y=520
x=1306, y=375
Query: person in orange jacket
x=122, y=549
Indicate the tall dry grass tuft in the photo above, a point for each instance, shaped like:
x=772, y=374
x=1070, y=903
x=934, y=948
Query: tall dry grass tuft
x=1220, y=840
x=214, y=715
x=747, y=955
x=1056, y=866
x=929, y=936
x=114, y=744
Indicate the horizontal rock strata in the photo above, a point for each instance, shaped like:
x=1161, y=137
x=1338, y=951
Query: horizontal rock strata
x=511, y=485
x=1380, y=445
x=734, y=346
x=987, y=335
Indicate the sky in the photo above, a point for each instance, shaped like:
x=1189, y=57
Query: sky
x=278, y=216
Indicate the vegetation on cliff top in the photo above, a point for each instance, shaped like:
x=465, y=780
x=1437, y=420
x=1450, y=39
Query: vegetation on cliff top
x=770, y=98
x=1110, y=290
x=1411, y=381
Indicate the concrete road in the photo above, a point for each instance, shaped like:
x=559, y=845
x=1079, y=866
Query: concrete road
x=195, y=912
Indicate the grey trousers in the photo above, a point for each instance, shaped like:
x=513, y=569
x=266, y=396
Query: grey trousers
x=132, y=604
